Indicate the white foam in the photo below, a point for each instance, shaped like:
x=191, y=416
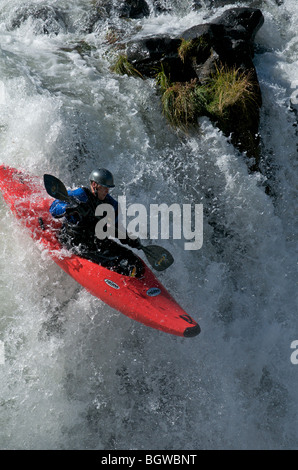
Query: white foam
x=77, y=374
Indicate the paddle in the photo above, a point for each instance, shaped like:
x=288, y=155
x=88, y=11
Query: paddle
x=159, y=258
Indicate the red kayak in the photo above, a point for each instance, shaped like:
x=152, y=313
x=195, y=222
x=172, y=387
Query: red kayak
x=143, y=299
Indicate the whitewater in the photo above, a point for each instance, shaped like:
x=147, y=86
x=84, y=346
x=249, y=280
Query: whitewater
x=76, y=374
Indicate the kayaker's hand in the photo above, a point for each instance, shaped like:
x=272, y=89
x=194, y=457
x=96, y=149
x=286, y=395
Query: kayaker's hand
x=78, y=208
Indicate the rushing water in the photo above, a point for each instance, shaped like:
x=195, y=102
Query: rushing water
x=79, y=375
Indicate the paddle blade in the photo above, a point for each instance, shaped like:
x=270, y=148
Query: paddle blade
x=55, y=188
x=159, y=258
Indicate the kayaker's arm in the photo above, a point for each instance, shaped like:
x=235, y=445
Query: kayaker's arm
x=74, y=207
x=77, y=207
x=58, y=209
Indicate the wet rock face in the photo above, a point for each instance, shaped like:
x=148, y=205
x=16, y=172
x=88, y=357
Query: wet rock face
x=230, y=36
x=227, y=41
x=148, y=54
x=241, y=23
x=133, y=9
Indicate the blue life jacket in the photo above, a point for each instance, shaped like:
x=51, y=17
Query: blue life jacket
x=58, y=207
x=81, y=230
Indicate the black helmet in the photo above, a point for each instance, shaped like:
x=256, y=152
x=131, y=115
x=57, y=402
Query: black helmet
x=103, y=177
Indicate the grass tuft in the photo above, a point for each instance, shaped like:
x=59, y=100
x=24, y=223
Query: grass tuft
x=122, y=66
x=229, y=87
x=227, y=93
x=183, y=103
x=191, y=48
x=162, y=80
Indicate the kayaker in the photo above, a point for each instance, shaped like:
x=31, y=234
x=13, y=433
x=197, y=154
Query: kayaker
x=78, y=229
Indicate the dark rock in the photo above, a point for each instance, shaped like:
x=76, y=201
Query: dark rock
x=133, y=9
x=148, y=54
x=205, y=69
x=230, y=40
x=241, y=23
x=231, y=35
x=227, y=41
x=162, y=6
